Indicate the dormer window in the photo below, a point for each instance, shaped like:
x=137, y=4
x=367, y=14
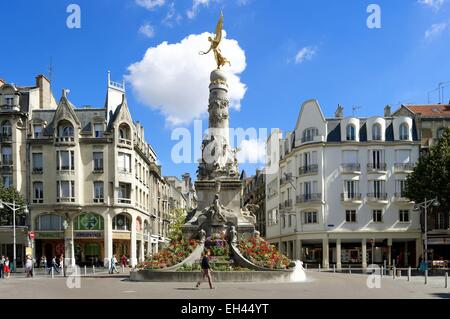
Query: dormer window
x=124, y=134
x=98, y=130
x=376, y=132
x=37, y=131
x=351, y=133
x=309, y=134
x=65, y=132
x=404, y=132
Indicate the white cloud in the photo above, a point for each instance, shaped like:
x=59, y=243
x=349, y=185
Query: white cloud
x=150, y=4
x=252, y=152
x=147, y=30
x=174, y=78
x=435, y=4
x=171, y=16
x=435, y=30
x=195, y=7
x=305, y=54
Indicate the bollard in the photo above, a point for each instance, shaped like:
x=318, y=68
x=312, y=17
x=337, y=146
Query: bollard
x=393, y=272
x=85, y=270
x=382, y=271
x=409, y=274
x=349, y=269
x=334, y=268
x=53, y=275
x=385, y=266
x=93, y=269
x=306, y=266
x=318, y=268
x=426, y=277
x=446, y=280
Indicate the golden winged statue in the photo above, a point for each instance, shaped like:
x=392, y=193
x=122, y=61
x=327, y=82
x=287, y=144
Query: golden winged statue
x=220, y=59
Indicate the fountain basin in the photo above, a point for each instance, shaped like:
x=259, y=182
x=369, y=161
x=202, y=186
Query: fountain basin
x=217, y=276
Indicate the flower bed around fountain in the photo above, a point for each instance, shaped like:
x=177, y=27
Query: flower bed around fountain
x=263, y=254
x=176, y=252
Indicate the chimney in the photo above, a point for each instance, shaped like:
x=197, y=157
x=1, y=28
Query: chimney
x=44, y=91
x=339, y=112
x=387, y=111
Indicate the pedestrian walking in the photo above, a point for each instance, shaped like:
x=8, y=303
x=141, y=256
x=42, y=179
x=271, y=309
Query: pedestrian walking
x=420, y=262
x=206, y=270
x=53, y=266
x=112, y=266
x=29, y=266
x=6, y=268
x=124, y=261
x=2, y=264
x=44, y=263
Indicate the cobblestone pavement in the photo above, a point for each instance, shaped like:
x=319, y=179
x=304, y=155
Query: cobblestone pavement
x=318, y=285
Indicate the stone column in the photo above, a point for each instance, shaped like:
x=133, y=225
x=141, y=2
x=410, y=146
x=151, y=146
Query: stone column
x=364, y=253
x=133, y=258
x=69, y=245
x=108, y=240
x=325, y=253
x=299, y=249
x=288, y=249
x=149, y=246
x=141, y=250
x=338, y=254
x=390, y=251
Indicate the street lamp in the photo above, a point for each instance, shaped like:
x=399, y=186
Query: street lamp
x=14, y=207
x=427, y=203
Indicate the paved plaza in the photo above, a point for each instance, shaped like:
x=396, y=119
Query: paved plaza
x=318, y=285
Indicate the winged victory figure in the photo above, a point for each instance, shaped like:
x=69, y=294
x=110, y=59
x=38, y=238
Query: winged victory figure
x=220, y=59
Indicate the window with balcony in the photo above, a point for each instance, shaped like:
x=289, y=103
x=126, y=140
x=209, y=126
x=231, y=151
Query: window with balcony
x=273, y=217
x=7, y=181
x=351, y=191
x=6, y=130
x=376, y=161
x=7, y=156
x=124, y=134
x=37, y=131
x=309, y=134
x=98, y=130
x=350, y=161
x=400, y=187
x=98, y=192
x=310, y=218
x=65, y=191
x=37, y=163
x=49, y=222
x=351, y=132
x=404, y=216
x=65, y=132
x=124, y=163
x=404, y=132
x=440, y=221
x=377, y=190
x=98, y=161
x=350, y=216
x=122, y=222
x=124, y=195
x=38, y=192
x=403, y=160
x=65, y=160
x=308, y=163
x=376, y=132
x=377, y=216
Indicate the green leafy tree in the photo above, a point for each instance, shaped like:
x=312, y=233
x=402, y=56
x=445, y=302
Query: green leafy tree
x=431, y=177
x=177, y=218
x=9, y=195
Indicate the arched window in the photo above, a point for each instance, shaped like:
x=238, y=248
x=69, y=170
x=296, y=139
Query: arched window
x=50, y=222
x=309, y=134
x=88, y=221
x=440, y=132
x=404, y=132
x=138, y=225
x=376, y=132
x=65, y=130
x=351, y=132
x=6, y=130
x=122, y=222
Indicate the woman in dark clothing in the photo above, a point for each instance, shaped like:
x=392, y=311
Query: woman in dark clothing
x=206, y=270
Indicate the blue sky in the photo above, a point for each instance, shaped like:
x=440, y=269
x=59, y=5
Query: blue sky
x=346, y=62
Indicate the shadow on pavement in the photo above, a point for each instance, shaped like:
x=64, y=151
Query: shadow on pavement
x=442, y=295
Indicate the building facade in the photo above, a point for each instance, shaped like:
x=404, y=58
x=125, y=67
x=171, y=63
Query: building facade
x=432, y=120
x=336, y=195
x=91, y=180
x=255, y=194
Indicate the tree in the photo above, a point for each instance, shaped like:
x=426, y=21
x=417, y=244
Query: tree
x=431, y=177
x=9, y=195
x=177, y=218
